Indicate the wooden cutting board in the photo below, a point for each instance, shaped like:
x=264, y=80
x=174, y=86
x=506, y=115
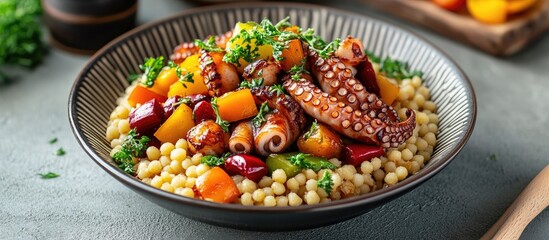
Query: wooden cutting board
x=500, y=40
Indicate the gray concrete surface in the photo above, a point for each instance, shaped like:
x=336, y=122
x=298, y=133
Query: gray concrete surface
x=461, y=202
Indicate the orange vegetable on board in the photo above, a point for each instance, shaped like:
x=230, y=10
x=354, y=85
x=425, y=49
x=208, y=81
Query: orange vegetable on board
x=237, y=105
x=190, y=65
x=388, y=90
x=176, y=126
x=452, y=5
x=516, y=6
x=293, y=55
x=141, y=94
x=217, y=186
x=488, y=11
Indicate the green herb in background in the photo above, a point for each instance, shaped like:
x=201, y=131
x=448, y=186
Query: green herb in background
x=49, y=175
x=60, y=152
x=493, y=157
x=20, y=34
x=53, y=140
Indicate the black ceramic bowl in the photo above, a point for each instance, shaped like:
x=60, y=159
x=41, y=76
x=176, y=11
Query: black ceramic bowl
x=103, y=80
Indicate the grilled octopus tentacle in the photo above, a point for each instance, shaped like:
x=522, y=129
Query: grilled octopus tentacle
x=343, y=119
x=268, y=70
x=241, y=140
x=282, y=126
x=336, y=79
x=220, y=77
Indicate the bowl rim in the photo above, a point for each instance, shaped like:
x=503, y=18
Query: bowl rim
x=355, y=201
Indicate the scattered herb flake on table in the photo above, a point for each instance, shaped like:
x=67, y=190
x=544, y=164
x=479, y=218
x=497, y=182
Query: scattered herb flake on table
x=60, y=152
x=49, y=175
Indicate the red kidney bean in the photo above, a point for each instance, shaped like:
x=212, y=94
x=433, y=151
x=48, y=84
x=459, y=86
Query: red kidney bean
x=246, y=165
x=355, y=154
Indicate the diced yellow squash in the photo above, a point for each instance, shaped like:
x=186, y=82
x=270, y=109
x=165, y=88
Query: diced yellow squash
x=176, y=126
x=237, y=105
x=388, y=90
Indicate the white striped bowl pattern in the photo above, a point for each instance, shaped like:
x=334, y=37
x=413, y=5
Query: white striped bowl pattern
x=103, y=80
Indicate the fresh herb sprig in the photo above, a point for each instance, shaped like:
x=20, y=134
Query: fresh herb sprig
x=326, y=182
x=314, y=127
x=297, y=70
x=315, y=42
x=48, y=175
x=256, y=82
x=260, y=117
x=222, y=123
x=304, y=161
x=214, y=161
x=187, y=78
x=278, y=89
x=392, y=68
x=151, y=68
x=132, y=147
x=209, y=46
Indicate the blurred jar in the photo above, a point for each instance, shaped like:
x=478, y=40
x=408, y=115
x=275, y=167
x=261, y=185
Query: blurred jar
x=84, y=26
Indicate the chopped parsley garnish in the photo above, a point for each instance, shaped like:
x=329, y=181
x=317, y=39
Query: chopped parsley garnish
x=282, y=24
x=266, y=33
x=172, y=64
x=151, y=69
x=329, y=49
x=257, y=82
x=244, y=52
x=132, y=147
x=316, y=43
x=187, y=78
x=493, y=157
x=392, y=68
x=53, y=140
x=306, y=161
x=260, y=117
x=278, y=89
x=48, y=175
x=312, y=130
x=296, y=71
x=326, y=182
x=208, y=46
x=222, y=123
x=60, y=152
x=132, y=77
x=185, y=100
x=213, y=161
